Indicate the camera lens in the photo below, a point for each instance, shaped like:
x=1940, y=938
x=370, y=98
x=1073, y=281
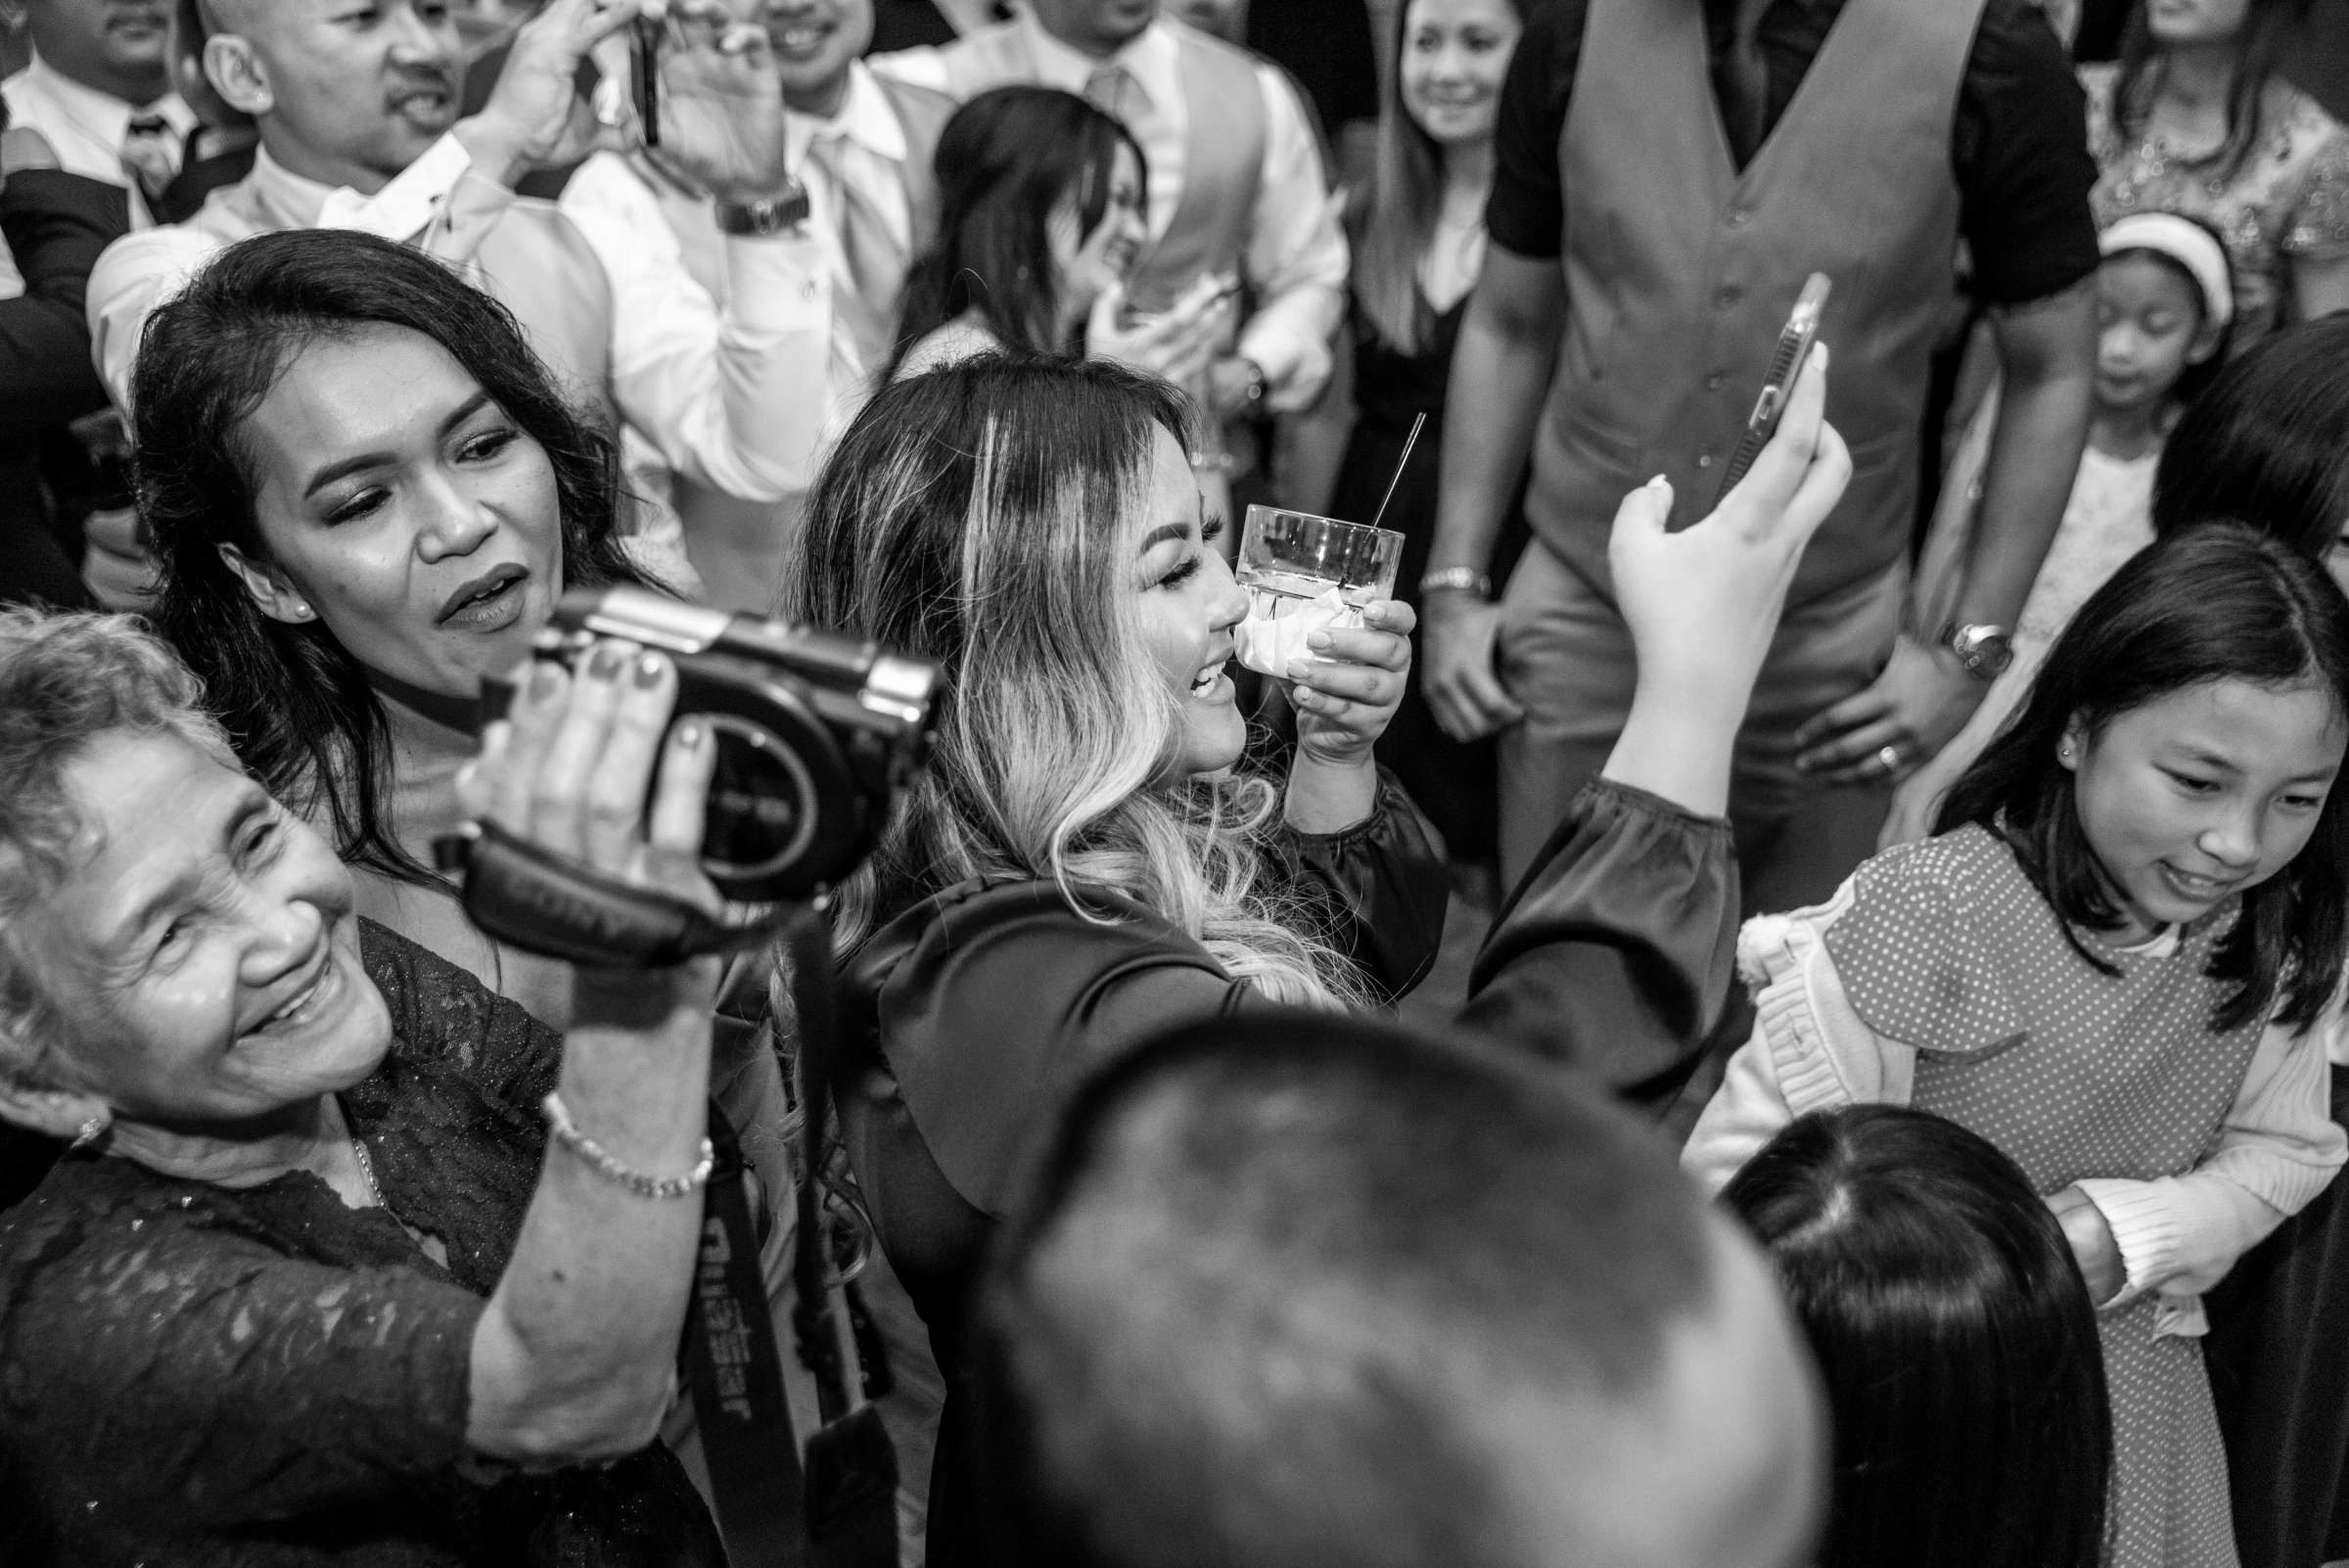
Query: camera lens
x=758, y=803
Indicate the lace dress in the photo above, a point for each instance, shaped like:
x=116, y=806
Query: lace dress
x=265, y=1377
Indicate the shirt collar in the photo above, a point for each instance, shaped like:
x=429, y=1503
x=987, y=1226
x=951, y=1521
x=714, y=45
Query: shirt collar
x=102, y=115
x=1149, y=58
x=866, y=118
x=286, y=199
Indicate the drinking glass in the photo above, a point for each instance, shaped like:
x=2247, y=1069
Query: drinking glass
x=1291, y=558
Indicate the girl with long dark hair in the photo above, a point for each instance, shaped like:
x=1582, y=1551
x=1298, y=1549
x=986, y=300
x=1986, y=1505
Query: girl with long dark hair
x=2144, y=871
x=1042, y=214
x=1955, y=1336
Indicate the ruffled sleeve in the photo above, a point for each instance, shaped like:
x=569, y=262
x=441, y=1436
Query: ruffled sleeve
x=1380, y=886
x=1926, y=953
x=1614, y=954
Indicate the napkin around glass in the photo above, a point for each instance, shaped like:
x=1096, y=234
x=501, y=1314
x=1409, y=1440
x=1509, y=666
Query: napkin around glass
x=1270, y=643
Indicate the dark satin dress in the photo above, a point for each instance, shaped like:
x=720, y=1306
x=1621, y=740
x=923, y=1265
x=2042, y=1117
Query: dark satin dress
x=265, y=1377
x=1456, y=785
x=965, y=1020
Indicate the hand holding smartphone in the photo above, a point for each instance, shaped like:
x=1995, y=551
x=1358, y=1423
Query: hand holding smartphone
x=1785, y=363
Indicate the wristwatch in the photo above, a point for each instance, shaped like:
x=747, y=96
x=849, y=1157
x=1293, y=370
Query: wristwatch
x=1985, y=651
x=764, y=217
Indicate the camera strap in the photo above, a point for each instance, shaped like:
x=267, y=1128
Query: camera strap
x=838, y=1507
x=541, y=903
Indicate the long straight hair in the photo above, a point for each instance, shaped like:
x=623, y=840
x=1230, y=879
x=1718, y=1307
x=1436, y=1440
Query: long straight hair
x=984, y=515
x=299, y=707
x=2264, y=442
x=2215, y=602
x=1006, y=163
x=2267, y=29
x=1954, y=1333
x=1394, y=218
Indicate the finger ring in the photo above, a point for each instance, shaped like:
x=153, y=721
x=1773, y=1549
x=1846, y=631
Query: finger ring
x=1890, y=758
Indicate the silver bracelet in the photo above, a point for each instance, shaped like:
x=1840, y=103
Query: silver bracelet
x=1458, y=579
x=601, y=1160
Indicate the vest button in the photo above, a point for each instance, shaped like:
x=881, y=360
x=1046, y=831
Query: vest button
x=1713, y=381
x=1728, y=297
x=1704, y=459
x=1741, y=217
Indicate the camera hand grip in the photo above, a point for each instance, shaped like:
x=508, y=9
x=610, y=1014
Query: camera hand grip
x=542, y=903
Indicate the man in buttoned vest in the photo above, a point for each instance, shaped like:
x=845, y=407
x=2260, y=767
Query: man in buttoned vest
x=1670, y=172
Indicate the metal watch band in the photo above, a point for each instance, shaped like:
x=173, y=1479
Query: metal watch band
x=763, y=218
x=1985, y=651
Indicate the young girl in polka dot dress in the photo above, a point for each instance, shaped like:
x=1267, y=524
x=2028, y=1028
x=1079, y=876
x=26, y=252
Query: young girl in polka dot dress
x=2108, y=964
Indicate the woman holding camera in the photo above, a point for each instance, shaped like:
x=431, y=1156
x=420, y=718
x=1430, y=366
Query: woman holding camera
x=318, y=1280
x=366, y=493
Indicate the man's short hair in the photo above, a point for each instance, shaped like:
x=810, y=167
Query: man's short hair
x=1287, y=1287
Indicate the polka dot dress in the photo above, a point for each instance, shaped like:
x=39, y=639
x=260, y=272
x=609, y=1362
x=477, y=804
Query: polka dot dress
x=2075, y=1073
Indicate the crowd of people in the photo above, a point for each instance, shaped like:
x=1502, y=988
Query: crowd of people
x=1891, y=1112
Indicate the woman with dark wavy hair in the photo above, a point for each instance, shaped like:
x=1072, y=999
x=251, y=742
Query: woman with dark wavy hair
x=1955, y=1336
x=1042, y=205
x=366, y=492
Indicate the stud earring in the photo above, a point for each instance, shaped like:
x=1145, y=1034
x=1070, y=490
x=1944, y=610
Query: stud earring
x=302, y=610
x=90, y=1131
x=2063, y=752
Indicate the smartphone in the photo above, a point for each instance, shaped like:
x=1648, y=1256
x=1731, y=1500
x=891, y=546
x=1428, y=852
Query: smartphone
x=1787, y=362
x=644, y=76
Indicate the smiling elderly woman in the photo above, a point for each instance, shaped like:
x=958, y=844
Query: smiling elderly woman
x=309, y=1285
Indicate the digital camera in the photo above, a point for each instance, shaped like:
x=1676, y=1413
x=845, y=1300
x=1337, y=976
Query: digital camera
x=816, y=733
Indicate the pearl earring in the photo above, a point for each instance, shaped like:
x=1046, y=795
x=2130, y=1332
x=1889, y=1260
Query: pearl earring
x=302, y=610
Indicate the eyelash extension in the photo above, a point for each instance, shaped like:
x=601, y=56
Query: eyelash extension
x=1213, y=531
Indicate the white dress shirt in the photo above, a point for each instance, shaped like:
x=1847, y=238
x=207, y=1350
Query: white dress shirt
x=1296, y=257
x=609, y=197
x=85, y=128
x=721, y=394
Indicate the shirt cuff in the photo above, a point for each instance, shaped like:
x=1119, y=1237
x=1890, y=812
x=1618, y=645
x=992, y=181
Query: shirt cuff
x=2144, y=1225
x=776, y=283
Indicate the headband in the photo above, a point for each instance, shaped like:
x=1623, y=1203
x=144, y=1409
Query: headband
x=2185, y=242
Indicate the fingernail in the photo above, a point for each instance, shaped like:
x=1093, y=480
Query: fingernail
x=545, y=681
x=1818, y=354
x=648, y=670
x=1299, y=669
x=1376, y=614
x=1318, y=641
x=687, y=735
x=604, y=664
x=1659, y=482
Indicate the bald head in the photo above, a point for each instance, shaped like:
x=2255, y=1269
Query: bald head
x=1305, y=1290
x=340, y=97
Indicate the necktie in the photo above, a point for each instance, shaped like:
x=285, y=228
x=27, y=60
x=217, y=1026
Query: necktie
x=151, y=154
x=1105, y=90
x=876, y=266
x=1746, y=112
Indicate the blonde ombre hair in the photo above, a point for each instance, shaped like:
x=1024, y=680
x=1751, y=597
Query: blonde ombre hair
x=988, y=515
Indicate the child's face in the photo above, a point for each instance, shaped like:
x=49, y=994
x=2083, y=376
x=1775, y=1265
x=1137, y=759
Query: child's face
x=2203, y=793
x=2149, y=328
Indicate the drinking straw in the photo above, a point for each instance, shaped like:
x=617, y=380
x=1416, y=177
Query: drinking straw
x=1401, y=463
